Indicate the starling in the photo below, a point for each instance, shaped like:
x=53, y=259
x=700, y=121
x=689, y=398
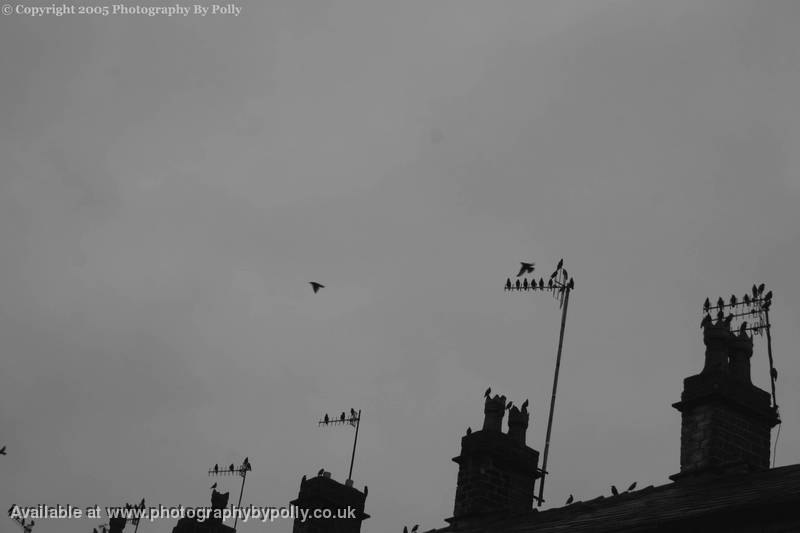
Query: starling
x=321, y=471
x=508, y=284
x=570, y=499
x=525, y=268
x=303, y=479
x=525, y=284
x=761, y=289
x=469, y=430
x=342, y=417
x=415, y=528
x=733, y=299
x=327, y=418
x=706, y=321
x=214, y=486
x=746, y=299
x=3, y=450
x=352, y=412
x=743, y=328
x=366, y=490
x=216, y=470
x=316, y=286
x=232, y=467
x=774, y=374
x=560, y=264
x=524, y=405
x=509, y=405
x=755, y=291
x=541, y=283
x=517, y=284
x=487, y=393
x=614, y=490
x=720, y=302
x=633, y=486
x=706, y=305
x=768, y=296
x=550, y=284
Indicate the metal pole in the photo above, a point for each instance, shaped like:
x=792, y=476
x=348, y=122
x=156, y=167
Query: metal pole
x=241, y=491
x=771, y=364
x=355, y=440
x=553, y=398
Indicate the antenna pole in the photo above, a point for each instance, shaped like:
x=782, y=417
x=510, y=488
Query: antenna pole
x=241, y=491
x=355, y=440
x=771, y=364
x=553, y=397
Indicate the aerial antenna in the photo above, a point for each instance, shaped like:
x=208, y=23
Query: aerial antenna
x=559, y=285
x=354, y=420
x=749, y=312
x=232, y=470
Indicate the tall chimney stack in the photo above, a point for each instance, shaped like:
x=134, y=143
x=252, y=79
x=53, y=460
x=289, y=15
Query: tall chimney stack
x=725, y=419
x=497, y=470
x=323, y=492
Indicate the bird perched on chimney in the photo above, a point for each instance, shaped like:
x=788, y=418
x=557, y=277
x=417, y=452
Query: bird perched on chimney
x=366, y=491
x=509, y=405
x=525, y=405
x=525, y=268
x=316, y=286
x=469, y=430
x=487, y=393
x=321, y=471
x=614, y=490
x=633, y=486
x=214, y=486
x=570, y=499
x=415, y=528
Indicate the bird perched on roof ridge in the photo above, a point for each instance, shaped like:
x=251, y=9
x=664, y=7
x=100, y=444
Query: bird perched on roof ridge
x=469, y=430
x=570, y=499
x=525, y=268
x=321, y=471
x=633, y=486
x=316, y=286
x=614, y=490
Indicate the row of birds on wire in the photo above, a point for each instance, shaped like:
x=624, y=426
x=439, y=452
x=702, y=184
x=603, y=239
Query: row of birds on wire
x=753, y=306
x=327, y=419
x=746, y=300
x=559, y=280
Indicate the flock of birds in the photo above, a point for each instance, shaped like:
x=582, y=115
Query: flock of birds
x=246, y=467
x=758, y=297
x=552, y=284
x=342, y=417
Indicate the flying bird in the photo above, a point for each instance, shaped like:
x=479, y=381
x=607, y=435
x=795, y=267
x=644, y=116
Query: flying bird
x=316, y=286
x=525, y=268
x=214, y=486
x=570, y=499
x=706, y=305
x=487, y=393
x=508, y=284
x=633, y=486
x=560, y=264
x=614, y=490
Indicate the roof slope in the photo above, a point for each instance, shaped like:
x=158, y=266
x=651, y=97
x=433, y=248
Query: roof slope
x=759, y=496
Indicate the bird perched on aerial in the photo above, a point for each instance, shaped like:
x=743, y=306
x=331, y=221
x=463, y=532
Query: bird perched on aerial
x=469, y=430
x=327, y=418
x=508, y=284
x=720, y=302
x=487, y=393
x=746, y=299
x=405, y=529
x=352, y=413
x=706, y=305
x=614, y=490
x=728, y=319
x=760, y=288
x=316, y=286
x=550, y=284
x=571, y=284
x=560, y=264
x=743, y=328
x=525, y=268
x=342, y=417
x=525, y=284
x=214, y=486
x=570, y=499
x=216, y=468
x=755, y=291
x=733, y=299
x=566, y=275
x=232, y=467
x=633, y=486
x=517, y=284
x=768, y=296
x=94, y=530
x=541, y=283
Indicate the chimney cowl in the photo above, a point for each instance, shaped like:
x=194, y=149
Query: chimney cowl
x=494, y=410
x=716, y=337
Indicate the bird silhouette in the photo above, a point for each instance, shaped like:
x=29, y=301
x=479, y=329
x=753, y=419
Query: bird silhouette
x=746, y=299
x=94, y=530
x=509, y=405
x=728, y=319
x=541, y=283
x=554, y=274
x=366, y=491
x=469, y=430
x=517, y=284
x=633, y=486
x=755, y=291
x=216, y=468
x=571, y=284
x=614, y=490
x=525, y=284
x=760, y=288
x=342, y=417
x=316, y=286
x=524, y=405
x=415, y=528
x=570, y=499
x=231, y=467
x=321, y=471
x=508, y=284
x=352, y=412
x=525, y=268
x=550, y=283
x=768, y=296
x=326, y=419
x=720, y=302
x=773, y=373
x=487, y=393
x=706, y=305
x=214, y=486
x=405, y=529
x=733, y=299
x=303, y=479
x=3, y=450
x=566, y=275
x=720, y=316
x=743, y=328
x=560, y=264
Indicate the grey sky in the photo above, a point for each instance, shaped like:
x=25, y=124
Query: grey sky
x=168, y=187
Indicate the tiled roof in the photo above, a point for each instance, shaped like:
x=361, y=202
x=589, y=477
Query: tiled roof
x=687, y=500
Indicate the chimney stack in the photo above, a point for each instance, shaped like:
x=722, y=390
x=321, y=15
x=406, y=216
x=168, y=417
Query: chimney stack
x=497, y=470
x=323, y=492
x=725, y=419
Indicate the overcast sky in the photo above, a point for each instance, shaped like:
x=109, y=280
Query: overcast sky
x=169, y=186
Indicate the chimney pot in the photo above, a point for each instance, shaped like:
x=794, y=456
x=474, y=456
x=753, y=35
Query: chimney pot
x=494, y=410
x=741, y=350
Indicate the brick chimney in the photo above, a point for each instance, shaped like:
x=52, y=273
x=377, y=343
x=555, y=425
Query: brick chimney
x=323, y=492
x=726, y=420
x=497, y=470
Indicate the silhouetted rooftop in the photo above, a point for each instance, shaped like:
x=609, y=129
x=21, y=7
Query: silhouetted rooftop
x=711, y=503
